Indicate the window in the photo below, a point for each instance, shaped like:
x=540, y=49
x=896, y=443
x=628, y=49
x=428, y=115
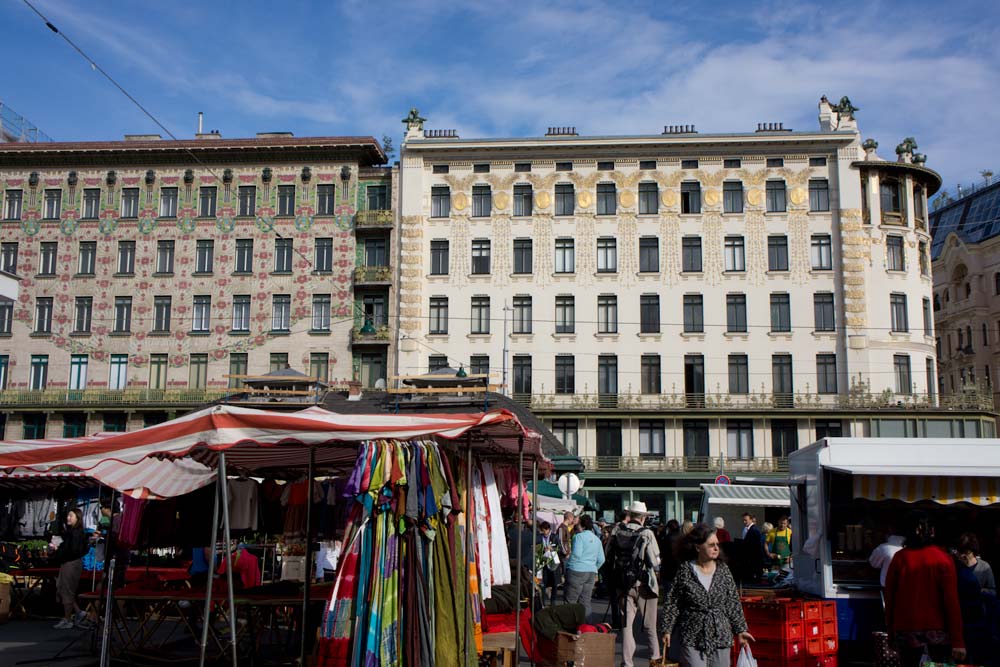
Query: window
x=889, y=196
x=565, y=374
x=647, y=165
x=735, y=254
x=202, y=319
x=696, y=438
x=439, y=315
x=83, y=314
x=775, y=162
x=781, y=379
x=522, y=167
x=482, y=201
x=929, y=322
x=822, y=252
x=894, y=253
x=126, y=257
x=321, y=312
x=282, y=255
x=694, y=380
x=34, y=426
x=8, y=257
x=777, y=253
x=168, y=202
x=436, y=362
x=607, y=374
x=43, y=315
x=819, y=194
x=480, y=257
x=439, y=169
x=690, y=197
x=325, y=199
x=732, y=163
x=565, y=314
x=53, y=204
x=481, y=168
x=244, y=256
x=649, y=313
x=6, y=316
x=198, y=371
x=607, y=314
x=606, y=199
x=901, y=366
x=826, y=373
x=732, y=197
x=277, y=361
x=649, y=254
x=4, y=371
x=567, y=432
x=522, y=200
x=165, y=257
x=158, y=371
x=564, y=166
x=376, y=252
x=522, y=314
x=439, y=258
x=986, y=337
x=281, y=306
x=522, y=374
x=440, y=201
x=925, y=265
x=565, y=199
x=319, y=366
x=565, y=256
x=161, y=314
x=479, y=364
x=736, y=313
x=784, y=437
x=378, y=197
x=650, y=374
x=781, y=317
x=607, y=255
x=241, y=312
x=39, y=372
x=480, y=323
x=609, y=437
x=689, y=164
x=691, y=254
x=694, y=320
x=652, y=437
x=375, y=310
x=78, y=372
x=606, y=165
x=286, y=200
x=118, y=375
x=739, y=374
x=247, y=201
x=897, y=307
x=48, y=250
x=649, y=198
x=238, y=365
x=739, y=439
x=823, y=313
x=91, y=203
x=207, y=196
x=12, y=204
x=204, y=256
x=929, y=372
x=775, y=191
x=522, y=256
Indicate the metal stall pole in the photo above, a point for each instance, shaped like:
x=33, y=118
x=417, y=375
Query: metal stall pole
x=309, y=557
x=108, y=580
x=224, y=499
x=534, y=533
x=517, y=574
x=211, y=574
x=469, y=524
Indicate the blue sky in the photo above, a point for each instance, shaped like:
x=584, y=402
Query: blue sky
x=925, y=69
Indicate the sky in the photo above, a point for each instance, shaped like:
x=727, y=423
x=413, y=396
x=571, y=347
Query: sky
x=924, y=69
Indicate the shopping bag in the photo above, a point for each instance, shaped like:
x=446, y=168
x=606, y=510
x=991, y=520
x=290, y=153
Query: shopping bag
x=746, y=657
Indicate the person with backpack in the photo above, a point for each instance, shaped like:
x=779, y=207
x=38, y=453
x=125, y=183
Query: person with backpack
x=636, y=558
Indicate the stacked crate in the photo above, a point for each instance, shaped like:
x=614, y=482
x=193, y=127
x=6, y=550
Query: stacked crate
x=792, y=633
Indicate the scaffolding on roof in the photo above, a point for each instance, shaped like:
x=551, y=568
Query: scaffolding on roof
x=15, y=127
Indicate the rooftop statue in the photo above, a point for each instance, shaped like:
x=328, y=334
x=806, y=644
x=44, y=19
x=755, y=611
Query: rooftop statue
x=845, y=108
x=414, y=119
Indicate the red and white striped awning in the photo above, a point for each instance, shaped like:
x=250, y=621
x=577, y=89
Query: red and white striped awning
x=149, y=479
x=261, y=439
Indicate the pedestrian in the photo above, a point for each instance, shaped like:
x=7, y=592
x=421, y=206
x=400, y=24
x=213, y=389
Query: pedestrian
x=779, y=543
x=585, y=560
x=704, y=604
x=975, y=577
x=68, y=555
x=755, y=554
x=720, y=530
x=882, y=556
x=636, y=565
x=968, y=556
x=548, y=550
x=922, y=612
x=608, y=575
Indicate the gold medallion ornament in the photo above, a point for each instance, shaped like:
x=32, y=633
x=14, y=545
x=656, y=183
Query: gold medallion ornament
x=798, y=196
x=669, y=199
x=755, y=197
x=627, y=199
x=501, y=201
x=543, y=200
x=460, y=202
x=712, y=197
x=584, y=199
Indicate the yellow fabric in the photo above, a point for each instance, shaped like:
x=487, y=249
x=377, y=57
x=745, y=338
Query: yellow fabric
x=943, y=490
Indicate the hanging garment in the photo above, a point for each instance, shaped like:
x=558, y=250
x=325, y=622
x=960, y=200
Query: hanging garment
x=246, y=569
x=243, y=504
x=294, y=498
x=499, y=557
x=272, y=514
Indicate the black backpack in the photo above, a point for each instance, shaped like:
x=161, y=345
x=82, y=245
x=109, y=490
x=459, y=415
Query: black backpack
x=628, y=567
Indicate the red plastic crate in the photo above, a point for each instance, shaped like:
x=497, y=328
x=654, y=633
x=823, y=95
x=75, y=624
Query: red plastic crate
x=818, y=661
x=830, y=645
x=783, y=611
x=815, y=646
x=775, y=629
x=812, y=611
x=775, y=650
x=829, y=610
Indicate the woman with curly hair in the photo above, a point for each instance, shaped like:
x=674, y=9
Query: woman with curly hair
x=703, y=603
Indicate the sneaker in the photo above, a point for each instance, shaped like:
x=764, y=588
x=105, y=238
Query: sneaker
x=64, y=624
x=79, y=617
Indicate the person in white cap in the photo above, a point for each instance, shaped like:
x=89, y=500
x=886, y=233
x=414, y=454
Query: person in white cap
x=636, y=562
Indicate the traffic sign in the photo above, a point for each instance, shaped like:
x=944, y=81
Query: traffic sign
x=722, y=479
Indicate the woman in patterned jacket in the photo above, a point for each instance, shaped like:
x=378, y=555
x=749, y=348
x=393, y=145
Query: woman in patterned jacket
x=704, y=604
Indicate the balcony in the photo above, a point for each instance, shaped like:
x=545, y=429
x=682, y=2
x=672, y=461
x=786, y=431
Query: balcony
x=371, y=335
x=373, y=275
x=55, y=398
x=708, y=465
x=374, y=219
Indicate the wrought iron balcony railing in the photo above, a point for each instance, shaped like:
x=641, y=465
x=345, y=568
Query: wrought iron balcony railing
x=373, y=274
x=690, y=464
x=368, y=219
x=110, y=397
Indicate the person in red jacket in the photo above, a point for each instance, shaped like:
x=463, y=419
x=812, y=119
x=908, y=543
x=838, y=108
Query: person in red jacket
x=922, y=612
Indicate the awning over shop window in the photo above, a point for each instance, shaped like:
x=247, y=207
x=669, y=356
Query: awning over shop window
x=747, y=494
x=943, y=490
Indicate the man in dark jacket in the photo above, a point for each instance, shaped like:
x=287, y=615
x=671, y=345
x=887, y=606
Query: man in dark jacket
x=754, y=552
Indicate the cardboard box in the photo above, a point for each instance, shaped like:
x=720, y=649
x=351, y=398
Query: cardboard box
x=590, y=649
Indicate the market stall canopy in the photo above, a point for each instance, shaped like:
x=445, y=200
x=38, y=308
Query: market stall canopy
x=261, y=439
x=943, y=490
x=148, y=479
x=547, y=489
x=911, y=457
x=747, y=494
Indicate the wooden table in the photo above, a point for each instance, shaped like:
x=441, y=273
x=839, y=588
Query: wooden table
x=501, y=645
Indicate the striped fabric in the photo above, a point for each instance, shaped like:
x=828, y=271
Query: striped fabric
x=944, y=490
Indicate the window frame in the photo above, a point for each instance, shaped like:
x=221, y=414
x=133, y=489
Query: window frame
x=649, y=254
x=440, y=257
x=732, y=197
x=437, y=321
x=565, y=200
x=481, y=257
x=649, y=313
x=821, y=252
x=286, y=200
x=607, y=254
x=208, y=199
x=689, y=256
x=736, y=313
x=607, y=199
x=649, y=198
x=735, y=254
x=824, y=312
x=168, y=202
x=607, y=314
x=694, y=313
x=826, y=373
x=775, y=196
x=819, y=195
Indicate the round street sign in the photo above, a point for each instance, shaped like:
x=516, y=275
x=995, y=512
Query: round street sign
x=722, y=479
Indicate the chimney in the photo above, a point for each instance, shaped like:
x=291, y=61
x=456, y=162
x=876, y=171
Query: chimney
x=354, y=390
x=143, y=137
x=201, y=116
